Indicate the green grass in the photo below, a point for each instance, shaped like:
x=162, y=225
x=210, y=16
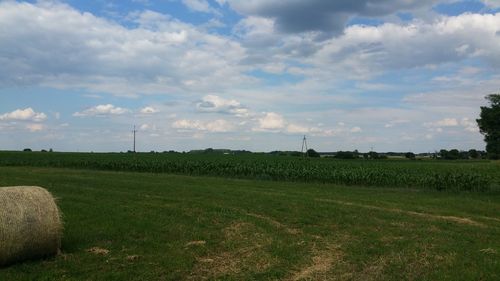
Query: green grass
x=259, y=230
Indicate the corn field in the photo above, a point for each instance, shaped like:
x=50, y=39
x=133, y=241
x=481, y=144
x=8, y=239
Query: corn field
x=429, y=174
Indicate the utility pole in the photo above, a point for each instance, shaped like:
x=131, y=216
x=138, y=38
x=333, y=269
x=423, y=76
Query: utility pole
x=304, y=144
x=134, y=131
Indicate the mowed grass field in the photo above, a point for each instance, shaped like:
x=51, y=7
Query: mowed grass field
x=145, y=226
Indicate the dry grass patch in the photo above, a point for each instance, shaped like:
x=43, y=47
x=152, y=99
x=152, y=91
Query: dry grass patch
x=243, y=250
x=276, y=223
x=321, y=264
x=98, y=251
x=196, y=243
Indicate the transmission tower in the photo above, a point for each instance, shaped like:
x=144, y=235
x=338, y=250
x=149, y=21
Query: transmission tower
x=134, y=131
x=304, y=145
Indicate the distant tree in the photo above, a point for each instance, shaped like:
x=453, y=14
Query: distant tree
x=43, y=150
x=489, y=125
x=51, y=150
x=373, y=155
x=453, y=154
x=443, y=154
x=27, y=149
x=345, y=155
x=312, y=153
x=464, y=155
x=474, y=154
x=410, y=155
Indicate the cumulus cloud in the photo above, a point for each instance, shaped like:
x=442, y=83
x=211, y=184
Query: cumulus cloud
x=469, y=125
x=160, y=55
x=271, y=121
x=369, y=50
x=35, y=127
x=296, y=129
x=199, y=6
x=101, y=111
x=216, y=126
x=393, y=123
x=446, y=122
x=322, y=16
x=27, y=114
x=356, y=130
x=212, y=103
x=148, y=110
x=466, y=123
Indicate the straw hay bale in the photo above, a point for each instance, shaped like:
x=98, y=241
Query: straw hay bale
x=30, y=224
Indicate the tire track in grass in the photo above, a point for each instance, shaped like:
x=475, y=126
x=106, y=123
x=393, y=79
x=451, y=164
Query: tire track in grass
x=460, y=220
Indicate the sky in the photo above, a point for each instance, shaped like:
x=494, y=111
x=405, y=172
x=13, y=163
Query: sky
x=383, y=75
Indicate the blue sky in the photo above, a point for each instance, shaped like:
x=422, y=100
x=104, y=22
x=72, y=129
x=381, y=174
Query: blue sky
x=191, y=74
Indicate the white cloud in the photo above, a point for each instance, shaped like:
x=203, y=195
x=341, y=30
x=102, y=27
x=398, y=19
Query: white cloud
x=102, y=110
x=356, y=130
x=216, y=126
x=213, y=103
x=161, y=55
x=469, y=125
x=492, y=3
x=219, y=126
x=35, y=127
x=368, y=50
x=446, y=122
x=27, y=114
x=199, y=6
x=271, y=121
x=148, y=110
x=187, y=124
x=296, y=129
x=393, y=123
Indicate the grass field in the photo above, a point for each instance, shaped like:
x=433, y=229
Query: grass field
x=144, y=226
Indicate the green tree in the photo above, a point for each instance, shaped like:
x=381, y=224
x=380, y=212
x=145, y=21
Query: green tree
x=373, y=155
x=489, y=125
x=453, y=154
x=312, y=153
x=474, y=154
x=443, y=153
x=410, y=155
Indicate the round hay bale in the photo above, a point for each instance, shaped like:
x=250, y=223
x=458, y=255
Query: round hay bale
x=30, y=224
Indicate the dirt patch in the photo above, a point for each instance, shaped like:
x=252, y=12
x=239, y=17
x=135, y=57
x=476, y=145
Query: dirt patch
x=275, y=223
x=98, y=251
x=459, y=220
